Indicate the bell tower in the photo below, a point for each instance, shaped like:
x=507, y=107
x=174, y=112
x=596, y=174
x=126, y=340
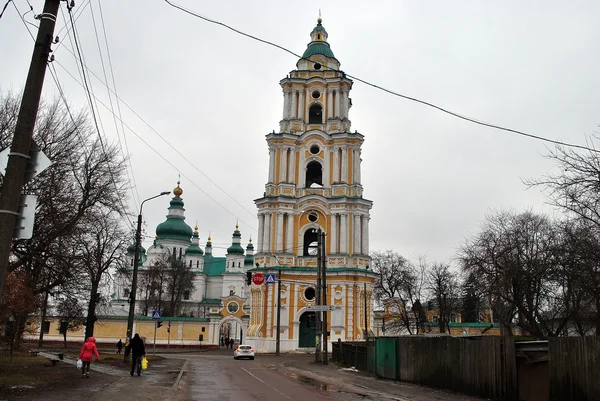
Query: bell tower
x=314, y=178
x=314, y=183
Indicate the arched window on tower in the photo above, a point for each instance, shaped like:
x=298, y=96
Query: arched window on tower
x=314, y=174
x=315, y=114
x=310, y=243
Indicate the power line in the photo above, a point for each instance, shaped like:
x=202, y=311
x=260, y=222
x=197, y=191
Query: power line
x=119, y=99
x=160, y=154
x=4, y=8
x=125, y=156
x=391, y=92
x=89, y=95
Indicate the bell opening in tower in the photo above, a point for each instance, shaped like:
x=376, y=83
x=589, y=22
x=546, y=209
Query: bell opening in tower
x=314, y=175
x=311, y=244
x=315, y=114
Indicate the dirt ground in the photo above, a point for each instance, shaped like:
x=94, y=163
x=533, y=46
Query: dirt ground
x=27, y=377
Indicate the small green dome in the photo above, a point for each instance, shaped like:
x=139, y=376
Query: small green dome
x=235, y=249
x=194, y=250
x=318, y=48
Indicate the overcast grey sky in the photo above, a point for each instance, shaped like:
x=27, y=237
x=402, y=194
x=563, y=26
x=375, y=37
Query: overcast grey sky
x=214, y=95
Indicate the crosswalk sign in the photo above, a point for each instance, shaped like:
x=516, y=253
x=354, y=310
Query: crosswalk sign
x=156, y=314
x=270, y=278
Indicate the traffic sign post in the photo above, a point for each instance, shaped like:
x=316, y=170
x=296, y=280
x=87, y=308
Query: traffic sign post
x=258, y=278
x=270, y=278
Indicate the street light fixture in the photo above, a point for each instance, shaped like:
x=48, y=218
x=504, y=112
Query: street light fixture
x=136, y=261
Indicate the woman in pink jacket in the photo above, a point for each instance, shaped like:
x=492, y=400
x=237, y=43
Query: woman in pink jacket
x=87, y=354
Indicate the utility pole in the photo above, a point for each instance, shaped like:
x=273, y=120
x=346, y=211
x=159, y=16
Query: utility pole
x=324, y=298
x=318, y=347
x=278, y=334
x=21, y=143
x=366, y=327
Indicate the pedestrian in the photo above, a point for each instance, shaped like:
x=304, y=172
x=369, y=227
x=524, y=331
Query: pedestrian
x=87, y=354
x=226, y=342
x=138, y=350
x=119, y=346
x=222, y=341
x=231, y=343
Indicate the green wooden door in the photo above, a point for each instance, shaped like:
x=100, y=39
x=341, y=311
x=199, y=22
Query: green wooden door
x=307, y=334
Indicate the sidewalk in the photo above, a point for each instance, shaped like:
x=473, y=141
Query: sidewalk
x=333, y=378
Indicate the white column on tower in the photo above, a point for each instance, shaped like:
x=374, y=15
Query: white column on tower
x=356, y=230
x=294, y=104
x=329, y=103
x=365, y=235
x=267, y=234
x=301, y=105
x=261, y=230
x=279, y=233
x=336, y=165
x=301, y=170
x=282, y=164
x=291, y=166
x=366, y=240
x=333, y=234
x=327, y=168
x=290, y=234
x=357, y=167
x=337, y=104
x=271, y=165
x=286, y=103
x=344, y=177
x=343, y=233
x=344, y=101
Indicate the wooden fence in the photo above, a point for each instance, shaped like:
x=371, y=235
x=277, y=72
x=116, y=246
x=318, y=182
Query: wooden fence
x=488, y=367
x=574, y=368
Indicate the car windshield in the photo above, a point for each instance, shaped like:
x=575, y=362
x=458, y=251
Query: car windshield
x=245, y=347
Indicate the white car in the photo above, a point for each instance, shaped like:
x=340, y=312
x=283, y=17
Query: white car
x=243, y=351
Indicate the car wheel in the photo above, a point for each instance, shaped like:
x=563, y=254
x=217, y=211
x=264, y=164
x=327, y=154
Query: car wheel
x=251, y=358
x=234, y=357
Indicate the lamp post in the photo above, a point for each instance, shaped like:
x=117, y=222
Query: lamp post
x=136, y=261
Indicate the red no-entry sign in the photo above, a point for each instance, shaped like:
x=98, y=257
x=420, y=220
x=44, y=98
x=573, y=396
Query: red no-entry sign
x=258, y=278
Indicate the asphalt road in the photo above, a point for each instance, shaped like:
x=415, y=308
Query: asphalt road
x=218, y=377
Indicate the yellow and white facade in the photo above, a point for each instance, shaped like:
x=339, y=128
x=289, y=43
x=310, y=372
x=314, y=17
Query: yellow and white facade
x=314, y=182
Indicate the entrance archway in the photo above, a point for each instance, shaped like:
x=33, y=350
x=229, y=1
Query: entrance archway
x=230, y=328
x=307, y=331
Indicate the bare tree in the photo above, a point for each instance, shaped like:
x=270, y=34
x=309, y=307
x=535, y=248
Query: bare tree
x=399, y=286
x=97, y=252
x=530, y=268
x=86, y=173
x=70, y=313
x=444, y=285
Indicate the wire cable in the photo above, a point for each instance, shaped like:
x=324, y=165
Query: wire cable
x=161, y=155
x=89, y=95
x=112, y=74
x=391, y=92
x=4, y=8
x=129, y=168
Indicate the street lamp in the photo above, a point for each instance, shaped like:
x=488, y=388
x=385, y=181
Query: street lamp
x=136, y=261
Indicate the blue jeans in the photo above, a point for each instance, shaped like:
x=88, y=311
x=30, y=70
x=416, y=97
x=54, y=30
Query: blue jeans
x=136, y=364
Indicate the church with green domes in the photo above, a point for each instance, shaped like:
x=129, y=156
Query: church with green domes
x=219, y=291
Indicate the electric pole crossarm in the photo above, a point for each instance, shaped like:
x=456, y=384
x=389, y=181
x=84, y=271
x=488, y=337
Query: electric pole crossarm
x=19, y=155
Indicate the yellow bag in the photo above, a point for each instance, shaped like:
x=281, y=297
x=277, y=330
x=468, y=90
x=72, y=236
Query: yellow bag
x=144, y=363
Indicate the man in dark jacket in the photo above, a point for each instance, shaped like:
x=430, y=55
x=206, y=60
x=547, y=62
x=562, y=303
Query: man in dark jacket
x=138, y=350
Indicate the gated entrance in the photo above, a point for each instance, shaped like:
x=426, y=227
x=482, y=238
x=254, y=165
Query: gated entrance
x=307, y=332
